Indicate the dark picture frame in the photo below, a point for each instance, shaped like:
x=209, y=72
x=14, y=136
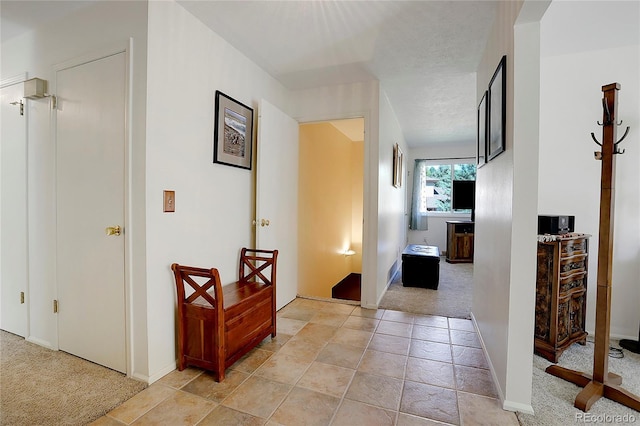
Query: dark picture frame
x=398, y=157
x=233, y=132
x=481, y=152
x=497, y=111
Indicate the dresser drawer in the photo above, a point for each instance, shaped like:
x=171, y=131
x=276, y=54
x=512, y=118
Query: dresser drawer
x=573, y=281
x=570, y=265
x=573, y=247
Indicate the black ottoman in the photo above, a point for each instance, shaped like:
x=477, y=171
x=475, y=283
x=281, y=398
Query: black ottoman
x=421, y=266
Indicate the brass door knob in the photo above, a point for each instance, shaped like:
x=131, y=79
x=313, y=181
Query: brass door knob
x=113, y=230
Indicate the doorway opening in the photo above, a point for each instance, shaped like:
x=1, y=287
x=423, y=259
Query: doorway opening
x=330, y=209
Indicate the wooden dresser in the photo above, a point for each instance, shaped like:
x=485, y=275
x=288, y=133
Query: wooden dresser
x=460, y=241
x=561, y=293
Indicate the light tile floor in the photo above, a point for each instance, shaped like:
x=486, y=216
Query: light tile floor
x=335, y=364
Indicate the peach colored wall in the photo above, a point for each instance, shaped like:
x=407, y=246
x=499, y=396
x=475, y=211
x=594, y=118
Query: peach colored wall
x=327, y=201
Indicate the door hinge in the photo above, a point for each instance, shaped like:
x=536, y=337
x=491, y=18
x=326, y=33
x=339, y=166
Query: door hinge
x=54, y=101
x=21, y=297
x=21, y=105
x=55, y=306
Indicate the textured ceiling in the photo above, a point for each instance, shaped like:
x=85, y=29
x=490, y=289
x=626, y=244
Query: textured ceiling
x=424, y=53
x=25, y=15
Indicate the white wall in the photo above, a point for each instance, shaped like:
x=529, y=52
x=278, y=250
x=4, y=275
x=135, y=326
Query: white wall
x=494, y=214
x=187, y=63
x=172, y=148
x=504, y=270
x=436, y=235
x=570, y=106
x=392, y=223
x=91, y=29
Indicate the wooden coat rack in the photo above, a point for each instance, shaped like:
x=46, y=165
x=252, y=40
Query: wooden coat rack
x=602, y=383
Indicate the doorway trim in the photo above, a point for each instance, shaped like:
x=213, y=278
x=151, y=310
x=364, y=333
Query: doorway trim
x=125, y=47
x=370, y=225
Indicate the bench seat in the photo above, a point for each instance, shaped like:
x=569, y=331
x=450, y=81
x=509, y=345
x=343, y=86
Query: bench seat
x=217, y=325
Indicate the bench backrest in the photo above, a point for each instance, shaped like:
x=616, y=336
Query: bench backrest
x=258, y=265
x=188, y=275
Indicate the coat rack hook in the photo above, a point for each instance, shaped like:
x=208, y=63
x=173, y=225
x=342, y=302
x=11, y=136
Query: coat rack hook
x=593, y=136
x=626, y=132
x=620, y=123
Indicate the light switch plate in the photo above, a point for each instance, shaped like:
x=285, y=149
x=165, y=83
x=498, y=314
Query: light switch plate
x=169, y=201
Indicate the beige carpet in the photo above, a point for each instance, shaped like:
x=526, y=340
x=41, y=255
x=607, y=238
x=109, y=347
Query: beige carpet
x=43, y=387
x=452, y=298
x=553, y=398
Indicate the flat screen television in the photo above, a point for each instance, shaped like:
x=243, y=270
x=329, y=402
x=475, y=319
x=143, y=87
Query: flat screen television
x=463, y=196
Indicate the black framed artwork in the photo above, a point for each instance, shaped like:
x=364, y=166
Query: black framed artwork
x=497, y=111
x=398, y=157
x=233, y=132
x=481, y=152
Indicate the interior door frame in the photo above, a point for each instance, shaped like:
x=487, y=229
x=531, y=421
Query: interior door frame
x=10, y=81
x=100, y=53
x=368, y=297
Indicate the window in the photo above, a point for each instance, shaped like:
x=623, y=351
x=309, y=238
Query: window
x=433, y=180
x=436, y=189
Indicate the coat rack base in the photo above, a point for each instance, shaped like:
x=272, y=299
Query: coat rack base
x=594, y=390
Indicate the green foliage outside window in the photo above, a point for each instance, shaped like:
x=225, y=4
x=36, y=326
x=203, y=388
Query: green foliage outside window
x=464, y=172
x=439, y=176
x=439, y=181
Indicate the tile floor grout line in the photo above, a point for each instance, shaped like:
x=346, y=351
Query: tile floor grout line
x=117, y=420
x=346, y=389
x=151, y=408
x=367, y=347
x=294, y=384
x=303, y=373
x=404, y=379
x=208, y=411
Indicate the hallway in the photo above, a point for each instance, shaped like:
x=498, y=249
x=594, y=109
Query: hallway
x=335, y=364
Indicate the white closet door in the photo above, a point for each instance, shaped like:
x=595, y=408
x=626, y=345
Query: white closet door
x=13, y=213
x=90, y=137
x=277, y=195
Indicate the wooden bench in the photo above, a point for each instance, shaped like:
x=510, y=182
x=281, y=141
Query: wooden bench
x=217, y=325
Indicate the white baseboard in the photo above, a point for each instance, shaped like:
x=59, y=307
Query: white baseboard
x=516, y=406
x=162, y=372
x=41, y=342
x=330, y=300
x=140, y=377
x=612, y=336
x=157, y=375
x=506, y=404
x=486, y=355
x=386, y=287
